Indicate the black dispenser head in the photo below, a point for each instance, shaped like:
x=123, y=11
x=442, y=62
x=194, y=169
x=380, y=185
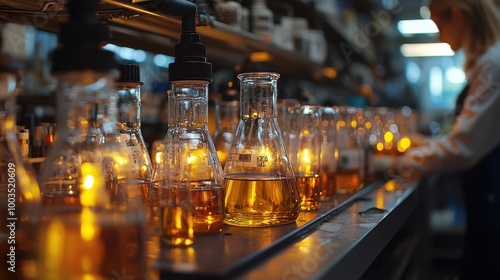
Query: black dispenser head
x=190, y=60
x=81, y=41
x=129, y=73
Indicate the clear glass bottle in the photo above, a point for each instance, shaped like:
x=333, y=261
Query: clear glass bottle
x=226, y=120
x=82, y=168
x=188, y=119
x=134, y=179
x=260, y=183
x=19, y=192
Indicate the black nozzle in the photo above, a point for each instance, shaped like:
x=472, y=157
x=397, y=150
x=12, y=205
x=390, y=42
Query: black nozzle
x=181, y=8
x=190, y=55
x=190, y=60
x=81, y=40
x=129, y=73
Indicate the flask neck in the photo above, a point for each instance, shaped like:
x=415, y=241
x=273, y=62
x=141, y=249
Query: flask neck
x=258, y=96
x=188, y=105
x=129, y=106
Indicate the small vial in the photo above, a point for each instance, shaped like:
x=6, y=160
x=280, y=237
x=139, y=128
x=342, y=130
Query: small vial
x=23, y=139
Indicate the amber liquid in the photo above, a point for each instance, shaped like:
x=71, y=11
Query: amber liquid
x=328, y=186
x=309, y=191
x=206, y=202
x=131, y=193
x=105, y=246
x=208, y=205
x=255, y=201
x=348, y=181
x=59, y=199
x=176, y=225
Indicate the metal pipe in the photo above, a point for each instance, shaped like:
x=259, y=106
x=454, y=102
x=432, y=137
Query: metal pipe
x=134, y=8
x=182, y=8
x=185, y=9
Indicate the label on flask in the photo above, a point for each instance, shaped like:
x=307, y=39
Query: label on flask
x=249, y=160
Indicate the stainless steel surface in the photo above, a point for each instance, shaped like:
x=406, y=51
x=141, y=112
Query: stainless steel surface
x=334, y=240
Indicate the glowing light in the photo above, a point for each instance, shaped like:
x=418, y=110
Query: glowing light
x=260, y=57
x=93, y=192
x=403, y=144
x=380, y=147
x=417, y=26
x=87, y=229
x=54, y=240
x=388, y=137
x=426, y=49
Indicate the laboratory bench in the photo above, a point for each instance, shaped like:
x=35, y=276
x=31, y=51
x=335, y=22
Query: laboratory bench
x=380, y=232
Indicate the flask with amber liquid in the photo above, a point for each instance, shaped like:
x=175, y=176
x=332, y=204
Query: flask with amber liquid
x=261, y=189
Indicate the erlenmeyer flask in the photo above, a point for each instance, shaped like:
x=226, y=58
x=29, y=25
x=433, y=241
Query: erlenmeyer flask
x=188, y=124
x=260, y=184
x=134, y=179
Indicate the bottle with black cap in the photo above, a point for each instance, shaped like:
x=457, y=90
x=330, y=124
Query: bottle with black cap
x=190, y=76
x=134, y=178
x=81, y=170
x=86, y=74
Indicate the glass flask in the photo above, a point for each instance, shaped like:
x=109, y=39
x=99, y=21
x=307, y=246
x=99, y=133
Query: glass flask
x=134, y=179
x=19, y=192
x=174, y=197
x=305, y=154
x=329, y=118
x=259, y=181
x=188, y=124
x=349, y=152
x=83, y=233
x=226, y=118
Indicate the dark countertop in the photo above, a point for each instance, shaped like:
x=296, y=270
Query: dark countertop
x=333, y=240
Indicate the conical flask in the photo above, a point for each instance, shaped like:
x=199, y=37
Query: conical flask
x=260, y=184
x=134, y=179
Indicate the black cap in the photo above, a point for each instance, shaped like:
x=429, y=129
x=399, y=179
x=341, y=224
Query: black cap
x=129, y=73
x=81, y=41
x=190, y=60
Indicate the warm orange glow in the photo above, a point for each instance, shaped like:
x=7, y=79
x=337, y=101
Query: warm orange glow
x=388, y=137
x=403, y=144
x=330, y=72
x=260, y=57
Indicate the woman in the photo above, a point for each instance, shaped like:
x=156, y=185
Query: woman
x=473, y=145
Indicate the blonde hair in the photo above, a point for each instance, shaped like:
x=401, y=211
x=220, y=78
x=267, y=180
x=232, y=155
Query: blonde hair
x=484, y=25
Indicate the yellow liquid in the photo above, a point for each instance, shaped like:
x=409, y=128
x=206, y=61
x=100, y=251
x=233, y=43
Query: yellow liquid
x=131, y=193
x=259, y=202
x=348, y=181
x=101, y=246
x=309, y=192
x=176, y=225
x=59, y=199
x=206, y=202
x=328, y=186
x=208, y=205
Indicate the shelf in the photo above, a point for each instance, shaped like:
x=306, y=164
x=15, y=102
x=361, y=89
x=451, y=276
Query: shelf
x=150, y=30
